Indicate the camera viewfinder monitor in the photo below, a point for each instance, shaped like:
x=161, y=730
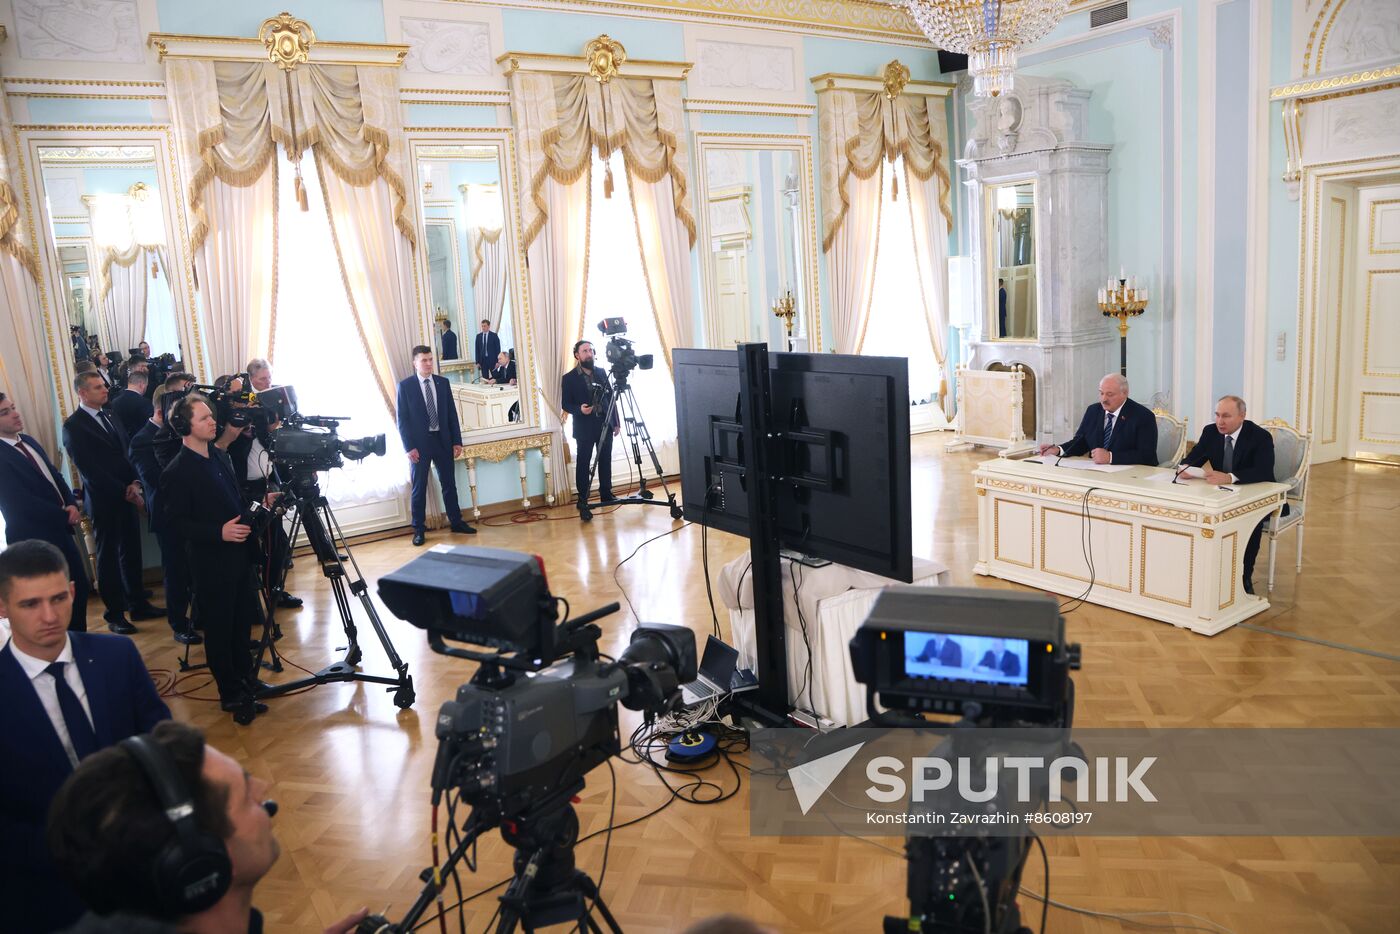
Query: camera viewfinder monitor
x=844, y=424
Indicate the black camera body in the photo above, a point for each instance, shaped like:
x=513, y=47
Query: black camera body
x=622, y=357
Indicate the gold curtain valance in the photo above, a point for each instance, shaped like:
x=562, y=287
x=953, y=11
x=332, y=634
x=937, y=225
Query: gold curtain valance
x=563, y=118
x=860, y=128
x=232, y=115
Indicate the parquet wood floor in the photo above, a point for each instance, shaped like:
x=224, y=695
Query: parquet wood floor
x=351, y=771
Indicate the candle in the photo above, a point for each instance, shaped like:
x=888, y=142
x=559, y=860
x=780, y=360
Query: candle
x=1122, y=272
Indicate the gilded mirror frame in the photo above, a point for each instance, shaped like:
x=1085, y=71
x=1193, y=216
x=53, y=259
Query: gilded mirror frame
x=706, y=142
x=503, y=140
x=990, y=330
x=31, y=138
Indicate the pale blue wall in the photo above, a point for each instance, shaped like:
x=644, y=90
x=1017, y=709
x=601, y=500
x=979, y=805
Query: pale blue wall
x=1280, y=376
x=334, y=20
x=1232, y=131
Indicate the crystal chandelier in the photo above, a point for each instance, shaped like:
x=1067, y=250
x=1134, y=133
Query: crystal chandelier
x=988, y=32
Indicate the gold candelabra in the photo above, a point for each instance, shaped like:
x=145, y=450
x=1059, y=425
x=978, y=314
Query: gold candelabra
x=786, y=308
x=1122, y=299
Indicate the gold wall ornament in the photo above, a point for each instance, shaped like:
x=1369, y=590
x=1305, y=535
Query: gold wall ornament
x=139, y=191
x=896, y=77
x=288, y=40
x=605, y=56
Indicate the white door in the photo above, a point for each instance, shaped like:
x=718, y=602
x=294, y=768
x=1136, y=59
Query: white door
x=1375, y=429
x=1336, y=359
x=732, y=290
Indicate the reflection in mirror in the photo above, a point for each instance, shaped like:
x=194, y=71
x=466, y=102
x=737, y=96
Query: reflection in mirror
x=757, y=255
x=1013, y=248
x=469, y=270
x=108, y=230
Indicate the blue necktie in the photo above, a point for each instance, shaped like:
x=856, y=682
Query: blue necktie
x=429, y=397
x=1108, y=430
x=80, y=730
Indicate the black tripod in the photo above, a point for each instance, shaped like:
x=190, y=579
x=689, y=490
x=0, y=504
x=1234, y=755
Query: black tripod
x=548, y=887
x=314, y=516
x=622, y=401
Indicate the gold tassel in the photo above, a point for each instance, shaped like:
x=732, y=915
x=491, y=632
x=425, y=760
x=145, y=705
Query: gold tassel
x=607, y=180
x=155, y=273
x=301, y=191
x=894, y=187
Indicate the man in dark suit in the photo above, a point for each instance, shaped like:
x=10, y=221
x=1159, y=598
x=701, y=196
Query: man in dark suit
x=503, y=373
x=37, y=503
x=576, y=396
x=131, y=407
x=174, y=564
x=998, y=658
x=65, y=696
x=98, y=446
x=1116, y=431
x=1238, y=451
x=432, y=436
x=943, y=650
x=488, y=345
x=449, y=340
x=81, y=350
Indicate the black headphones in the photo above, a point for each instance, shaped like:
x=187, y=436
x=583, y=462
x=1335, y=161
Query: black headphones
x=191, y=872
x=178, y=421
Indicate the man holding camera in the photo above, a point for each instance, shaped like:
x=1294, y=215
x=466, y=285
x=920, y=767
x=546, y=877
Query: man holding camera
x=174, y=563
x=257, y=476
x=584, y=392
x=432, y=436
x=201, y=503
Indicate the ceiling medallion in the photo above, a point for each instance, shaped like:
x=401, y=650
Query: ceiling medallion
x=605, y=56
x=288, y=40
x=896, y=77
x=988, y=32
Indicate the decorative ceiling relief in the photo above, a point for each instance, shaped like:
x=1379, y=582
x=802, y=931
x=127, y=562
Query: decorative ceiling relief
x=739, y=66
x=447, y=47
x=79, y=30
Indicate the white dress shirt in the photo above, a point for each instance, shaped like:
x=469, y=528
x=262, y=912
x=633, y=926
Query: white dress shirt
x=48, y=475
x=257, y=461
x=96, y=416
x=48, y=693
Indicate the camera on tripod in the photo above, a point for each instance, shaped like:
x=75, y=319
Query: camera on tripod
x=994, y=659
x=307, y=444
x=620, y=353
x=539, y=714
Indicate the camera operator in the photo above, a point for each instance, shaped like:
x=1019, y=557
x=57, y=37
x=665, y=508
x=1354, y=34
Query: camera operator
x=174, y=563
x=259, y=483
x=203, y=506
x=166, y=442
x=585, y=403
x=113, y=836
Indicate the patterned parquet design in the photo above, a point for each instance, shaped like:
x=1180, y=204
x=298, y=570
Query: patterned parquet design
x=351, y=771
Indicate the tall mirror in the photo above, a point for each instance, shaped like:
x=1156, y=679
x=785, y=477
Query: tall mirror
x=1012, y=249
x=472, y=279
x=109, y=236
x=758, y=242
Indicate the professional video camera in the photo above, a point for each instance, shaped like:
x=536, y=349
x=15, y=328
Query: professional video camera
x=901, y=655
x=621, y=355
x=538, y=715
x=309, y=443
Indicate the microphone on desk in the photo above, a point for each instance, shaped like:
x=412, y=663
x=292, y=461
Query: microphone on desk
x=1176, y=474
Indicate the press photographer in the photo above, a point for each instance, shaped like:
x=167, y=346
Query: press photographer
x=584, y=393
x=202, y=504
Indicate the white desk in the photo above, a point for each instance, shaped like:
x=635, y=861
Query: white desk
x=484, y=405
x=1171, y=552
x=835, y=601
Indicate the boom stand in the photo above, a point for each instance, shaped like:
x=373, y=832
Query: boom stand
x=314, y=516
x=622, y=401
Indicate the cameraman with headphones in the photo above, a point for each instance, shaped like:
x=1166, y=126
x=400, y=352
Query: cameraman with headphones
x=165, y=827
x=201, y=502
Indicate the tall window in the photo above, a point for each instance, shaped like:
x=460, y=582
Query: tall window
x=897, y=326
x=617, y=287
x=317, y=346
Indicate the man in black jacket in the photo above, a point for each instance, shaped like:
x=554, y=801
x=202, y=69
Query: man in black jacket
x=449, y=340
x=173, y=561
x=432, y=437
x=946, y=652
x=98, y=445
x=1238, y=451
x=576, y=390
x=202, y=505
x=37, y=503
x=1116, y=431
x=130, y=405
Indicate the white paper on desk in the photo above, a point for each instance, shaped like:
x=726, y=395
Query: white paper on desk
x=1164, y=476
x=1192, y=472
x=1086, y=464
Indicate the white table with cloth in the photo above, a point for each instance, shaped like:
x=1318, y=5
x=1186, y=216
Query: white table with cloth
x=834, y=600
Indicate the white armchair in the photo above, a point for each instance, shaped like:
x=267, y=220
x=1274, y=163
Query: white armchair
x=1171, y=438
x=1292, y=456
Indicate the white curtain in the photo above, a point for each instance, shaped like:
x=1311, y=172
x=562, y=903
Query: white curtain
x=237, y=271
x=851, y=261
x=558, y=265
x=489, y=275
x=123, y=297
x=665, y=246
x=931, y=257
